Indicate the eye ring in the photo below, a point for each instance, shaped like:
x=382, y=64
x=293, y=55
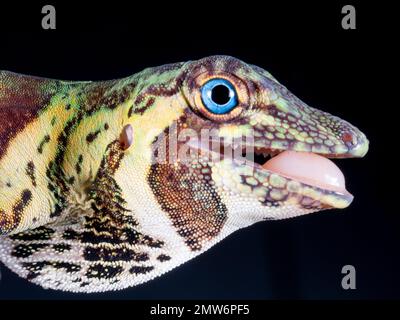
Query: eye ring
x=195, y=85
x=219, y=96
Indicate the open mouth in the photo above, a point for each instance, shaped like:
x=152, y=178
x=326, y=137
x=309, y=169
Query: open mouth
x=308, y=178
x=309, y=168
x=306, y=167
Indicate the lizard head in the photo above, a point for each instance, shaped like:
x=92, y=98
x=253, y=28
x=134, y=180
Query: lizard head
x=229, y=145
x=205, y=148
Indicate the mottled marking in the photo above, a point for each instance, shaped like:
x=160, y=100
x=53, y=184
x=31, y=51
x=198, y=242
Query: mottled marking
x=71, y=180
x=141, y=269
x=103, y=271
x=96, y=96
x=58, y=207
x=130, y=111
x=78, y=165
x=26, y=197
x=103, y=253
x=163, y=258
x=158, y=90
x=46, y=139
x=146, y=106
x=71, y=234
x=61, y=247
x=112, y=158
x=22, y=98
x=30, y=171
x=139, y=99
x=8, y=222
x=112, y=223
x=5, y=222
x=170, y=67
x=35, y=268
x=58, y=182
x=92, y=136
x=68, y=267
x=26, y=250
x=37, y=234
x=176, y=190
x=58, y=174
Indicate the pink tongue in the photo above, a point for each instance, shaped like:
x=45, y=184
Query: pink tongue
x=308, y=168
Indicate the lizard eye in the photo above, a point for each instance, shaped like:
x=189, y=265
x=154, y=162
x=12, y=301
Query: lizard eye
x=219, y=96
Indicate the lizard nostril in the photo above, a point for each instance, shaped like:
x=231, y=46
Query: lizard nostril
x=347, y=137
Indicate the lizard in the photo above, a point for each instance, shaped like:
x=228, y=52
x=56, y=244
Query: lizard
x=94, y=197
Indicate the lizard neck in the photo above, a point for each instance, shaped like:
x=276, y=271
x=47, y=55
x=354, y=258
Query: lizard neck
x=99, y=115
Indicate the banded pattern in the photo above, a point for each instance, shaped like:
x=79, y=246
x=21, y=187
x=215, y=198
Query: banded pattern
x=101, y=248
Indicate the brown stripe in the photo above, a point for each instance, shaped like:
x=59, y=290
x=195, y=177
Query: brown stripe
x=8, y=222
x=176, y=190
x=21, y=100
x=30, y=171
x=45, y=140
x=92, y=136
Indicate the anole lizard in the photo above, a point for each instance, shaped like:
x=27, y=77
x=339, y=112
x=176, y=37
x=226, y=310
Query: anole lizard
x=85, y=208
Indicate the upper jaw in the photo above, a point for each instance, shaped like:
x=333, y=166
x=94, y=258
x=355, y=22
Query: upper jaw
x=348, y=142
x=357, y=150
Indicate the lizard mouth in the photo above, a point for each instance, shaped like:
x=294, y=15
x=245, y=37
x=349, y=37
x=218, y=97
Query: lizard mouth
x=306, y=167
x=315, y=175
x=303, y=177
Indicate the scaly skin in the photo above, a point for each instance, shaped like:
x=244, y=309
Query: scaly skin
x=80, y=211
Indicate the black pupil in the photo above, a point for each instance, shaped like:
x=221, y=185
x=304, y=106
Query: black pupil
x=220, y=94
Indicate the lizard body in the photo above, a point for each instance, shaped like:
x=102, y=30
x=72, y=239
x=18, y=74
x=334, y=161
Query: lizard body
x=85, y=207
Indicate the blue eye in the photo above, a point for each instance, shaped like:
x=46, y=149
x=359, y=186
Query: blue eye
x=219, y=96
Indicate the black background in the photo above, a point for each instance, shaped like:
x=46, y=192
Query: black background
x=344, y=72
